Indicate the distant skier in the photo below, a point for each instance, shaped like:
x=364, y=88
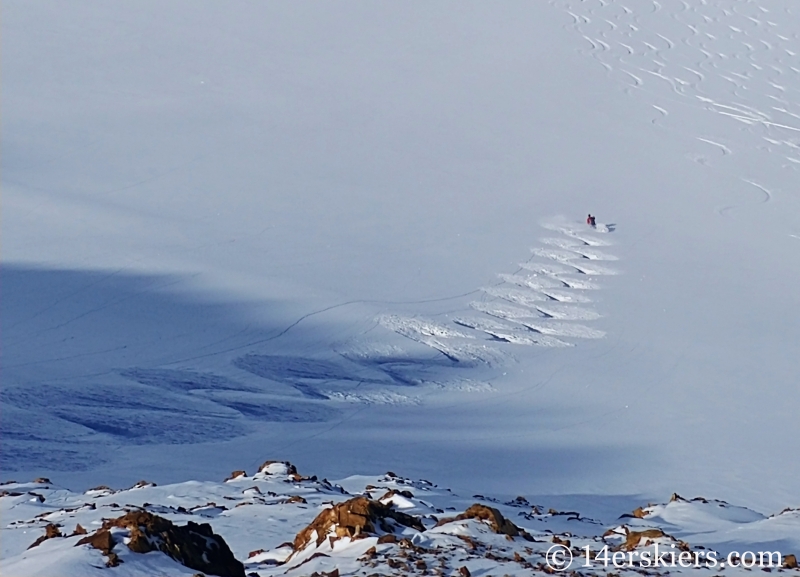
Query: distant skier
x=591, y=221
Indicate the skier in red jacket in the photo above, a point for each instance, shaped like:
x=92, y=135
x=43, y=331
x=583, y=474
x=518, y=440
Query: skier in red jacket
x=591, y=221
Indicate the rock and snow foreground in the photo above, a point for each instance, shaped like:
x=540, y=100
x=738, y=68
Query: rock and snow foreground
x=278, y=522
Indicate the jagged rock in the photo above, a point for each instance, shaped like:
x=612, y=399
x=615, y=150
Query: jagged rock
x=277, y=468
x=790, y=562
x=353, y=518
x=638, y=513
x=79, y=530
x=634, y=538
x=558, y=541
x=142, y=484
x=193, y=545
x=113, y=560
x=675, y=497
x=236, y=475
x=464, y=572
x=50, y=531
x=296, y=499
x=100, y=539
x=497, y=522
x=43, y=481
x=393, y=492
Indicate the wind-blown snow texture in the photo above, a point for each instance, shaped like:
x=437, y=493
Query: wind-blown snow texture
x=352, y=236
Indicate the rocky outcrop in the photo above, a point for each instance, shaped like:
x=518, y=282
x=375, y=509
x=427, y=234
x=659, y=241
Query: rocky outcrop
x=50, y=532
x=354, y=518
x=193, y=545
x=278, y=468
x=645, y=538
x=236, y=475
x=493, y=517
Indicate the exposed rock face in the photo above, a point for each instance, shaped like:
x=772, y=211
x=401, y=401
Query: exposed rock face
x=497, y=522
x=634, y=539
x=277, y=468
x=236, y=475
x=353, y=518
x=194, y=545
x=49, y=532
x=100, y=540
x=790, y=562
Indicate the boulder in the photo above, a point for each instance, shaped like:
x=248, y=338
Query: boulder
x=193, y=545
x=354, y=518
x=493, y=517
x=50, y=532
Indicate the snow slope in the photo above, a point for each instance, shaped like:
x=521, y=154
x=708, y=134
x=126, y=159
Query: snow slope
x=292, y=229
x=259, y=515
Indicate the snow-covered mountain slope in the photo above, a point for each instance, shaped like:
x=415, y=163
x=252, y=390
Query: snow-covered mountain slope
x=278, y=522
x=355, y=237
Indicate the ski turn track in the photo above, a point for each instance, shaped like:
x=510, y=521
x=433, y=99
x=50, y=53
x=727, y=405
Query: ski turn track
x=537, y=305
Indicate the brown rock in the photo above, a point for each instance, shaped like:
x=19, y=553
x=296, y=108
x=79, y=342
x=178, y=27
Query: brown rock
x=43, y=481
x=100, y=539
x=352, y=518
x=790, y=562
x=497, y=522
x=464, y=572
x=633, y=538
x=193, y=545
x=79, y=530
x=334, y=573
x=639, y=513
x=252, y=554
x=565, y=542
x=113, y=560
x=50, y=531
x=290, y=469
x=392, y=492
x=676, y=497
x=296, y=499
x=235, y=475
x=142, y=484
x=387, y=539
x=371, y=552
x=469, y=541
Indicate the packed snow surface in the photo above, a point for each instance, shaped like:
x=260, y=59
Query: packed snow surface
x=354, y=236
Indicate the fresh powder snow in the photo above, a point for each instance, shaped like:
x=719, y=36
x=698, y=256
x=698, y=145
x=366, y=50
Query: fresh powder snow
x=354, y=237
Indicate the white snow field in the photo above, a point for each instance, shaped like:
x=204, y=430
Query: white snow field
x=352, y=236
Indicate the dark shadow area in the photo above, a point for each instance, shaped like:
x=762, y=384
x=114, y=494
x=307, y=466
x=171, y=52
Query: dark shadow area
x=97, y=359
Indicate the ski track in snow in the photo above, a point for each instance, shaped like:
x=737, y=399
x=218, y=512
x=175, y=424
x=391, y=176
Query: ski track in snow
x=547, y=302
x=725, y=60
x=533, y=306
